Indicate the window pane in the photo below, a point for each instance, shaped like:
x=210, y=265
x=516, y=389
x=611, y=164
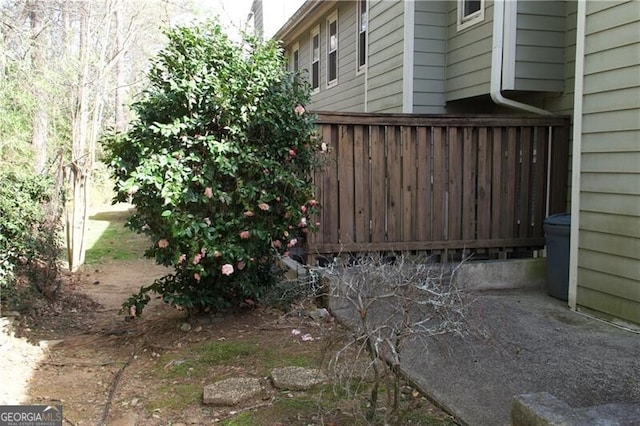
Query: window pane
x=315, y=83
x=296, y=64
x=471, y=6
x=333, y=66
x=362, y=49
x=316, y=47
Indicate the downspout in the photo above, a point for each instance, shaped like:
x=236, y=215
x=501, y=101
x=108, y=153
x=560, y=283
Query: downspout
x=497, y=64
x=576, y=156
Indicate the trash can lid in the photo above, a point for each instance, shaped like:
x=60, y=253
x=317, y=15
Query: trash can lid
x=561, y=219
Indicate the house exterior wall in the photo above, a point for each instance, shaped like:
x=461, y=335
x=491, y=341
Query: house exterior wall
x=468, y=69
x=608, y=277
x=385, y=56
x=539, y=46
x=348, y=93
x=429, y=60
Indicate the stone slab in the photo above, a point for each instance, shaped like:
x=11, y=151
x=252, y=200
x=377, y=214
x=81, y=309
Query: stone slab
x=231, y=391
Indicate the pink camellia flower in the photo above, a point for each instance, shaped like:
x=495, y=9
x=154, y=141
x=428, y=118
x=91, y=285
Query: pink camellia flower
x=227, y=269
x=207, y=221
x=295, y=332
x=182, y=258
x=286, y=234
x=263, y=206
x=203, y=251
x=303, y=209
x=323, y=147
x=196, y=276
x=217, y=254
x=293, y=242
x=276, y=244
x=292, y=153
x=196, y=258
x=145, y=227
x=245, y=235
x=241, y=265
x=299, y=109
x=303, y=222
x=312, y=202
x=317, y=223
x=208, y=192
x=248, y=213
x=307, y=338
x=163, y=243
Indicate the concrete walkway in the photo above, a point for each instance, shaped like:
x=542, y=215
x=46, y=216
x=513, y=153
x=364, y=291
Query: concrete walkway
x=526, y=342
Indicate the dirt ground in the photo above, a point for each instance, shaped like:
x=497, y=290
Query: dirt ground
x=83, y=354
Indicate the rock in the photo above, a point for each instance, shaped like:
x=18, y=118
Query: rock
x=185, y=326
x=231, y=391
x=297, y=378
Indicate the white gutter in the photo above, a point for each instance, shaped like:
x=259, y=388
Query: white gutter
x=575, y=161
x=497, y=64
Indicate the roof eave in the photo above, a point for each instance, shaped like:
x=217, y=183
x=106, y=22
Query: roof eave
x=301, y=14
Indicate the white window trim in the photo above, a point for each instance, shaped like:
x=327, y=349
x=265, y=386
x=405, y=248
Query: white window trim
x=361, y=68
x=330, y=19
x=315, y=32
x=294, y=49
x=470, y=20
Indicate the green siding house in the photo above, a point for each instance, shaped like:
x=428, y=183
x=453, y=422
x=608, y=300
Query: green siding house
x=605, y=258
x=434, y=57
x=505, y=57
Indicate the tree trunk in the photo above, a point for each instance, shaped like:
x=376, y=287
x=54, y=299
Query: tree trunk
x=40, y=122
x=81, y=163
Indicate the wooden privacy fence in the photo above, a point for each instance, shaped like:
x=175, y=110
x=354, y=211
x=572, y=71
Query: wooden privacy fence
x=445, y=185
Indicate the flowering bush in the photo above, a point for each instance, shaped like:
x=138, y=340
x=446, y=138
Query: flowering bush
x=218, y=163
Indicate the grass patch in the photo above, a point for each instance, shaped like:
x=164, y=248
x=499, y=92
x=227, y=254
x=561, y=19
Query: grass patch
x=175, y=397
x=242, y=419
x=109, y=239
x=194, y=362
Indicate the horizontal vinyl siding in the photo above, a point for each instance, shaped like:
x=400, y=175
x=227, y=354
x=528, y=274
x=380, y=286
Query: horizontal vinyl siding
x=348, y=94
x=540, y=44
x=609, y=242
x=430, y=35
x=468, y=67
x=564, y=102
x=385, y=59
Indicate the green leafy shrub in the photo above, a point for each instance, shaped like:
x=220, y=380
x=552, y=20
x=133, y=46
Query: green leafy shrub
x=218, y=163
x=29, y=235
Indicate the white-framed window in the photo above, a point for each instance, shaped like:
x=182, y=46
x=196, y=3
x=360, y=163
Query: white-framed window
x=470, y=12
x=332, y=49
x=363, y=23
x=295, y=57
x=315, y=59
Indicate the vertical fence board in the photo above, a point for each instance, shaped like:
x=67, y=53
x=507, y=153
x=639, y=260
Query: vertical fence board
x=409, y=184
x=469, y=188
x=484, y=185
x=540, y=179
x=329, y=225
x=423, y=203
x=378, y=178
x=524, y=225
x=455, y=183
x=559, y=175
x=361, y=182
x=394, y=184
x=498, y=155
x=345, y=184
x=439, y=228
x=508, y=213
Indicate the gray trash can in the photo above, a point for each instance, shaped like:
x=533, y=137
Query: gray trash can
x=557, y=230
